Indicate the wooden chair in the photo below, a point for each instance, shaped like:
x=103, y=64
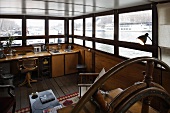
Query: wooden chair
x=134, y=99
x=27, y=66
x=6, y=102
x=87, y=79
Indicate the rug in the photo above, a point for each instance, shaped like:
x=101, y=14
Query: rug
x=64, y=101
x=23, y=110
x=69, y=99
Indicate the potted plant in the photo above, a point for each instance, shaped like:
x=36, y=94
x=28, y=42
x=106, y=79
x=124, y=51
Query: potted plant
x=9, y=42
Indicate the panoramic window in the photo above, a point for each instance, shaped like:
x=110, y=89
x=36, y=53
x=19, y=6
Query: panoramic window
x=88, y=44
x=11, y=27
x=78, y=41
x=105, y=27
x=56, y=27
x=135, y=24
x=35, y=27
x=105, y=47
x=88, y=27
x=35, y=41
x=78, y=27
x=56, y=40
x=132, y=53
x=70, y=27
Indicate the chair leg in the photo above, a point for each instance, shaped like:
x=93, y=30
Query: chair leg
x=28, y=80
x=14, y=106
x=23, y=83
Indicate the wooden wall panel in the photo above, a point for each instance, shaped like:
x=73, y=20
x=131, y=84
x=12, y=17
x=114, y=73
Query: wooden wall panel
x=123, y=78
x=127, y=76
x=71, y=61
x=88, y=60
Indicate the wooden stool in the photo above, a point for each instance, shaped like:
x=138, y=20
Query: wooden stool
x=81, y=68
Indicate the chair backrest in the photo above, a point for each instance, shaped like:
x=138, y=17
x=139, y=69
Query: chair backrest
x=29, y=63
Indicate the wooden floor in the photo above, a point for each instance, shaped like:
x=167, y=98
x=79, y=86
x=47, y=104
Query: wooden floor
x=61, y=86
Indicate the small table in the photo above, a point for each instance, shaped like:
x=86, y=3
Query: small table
x=38, y=107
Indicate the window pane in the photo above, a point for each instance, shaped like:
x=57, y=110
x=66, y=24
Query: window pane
x=132, y=53
x=78, y=41
x=105, y=27
x=88, y=28
x=35, y=41
x=88, y=44
x=78, y=27
x=134, y=24
x=56, y=40
x=56, y=27
x=70, y=27
x=10, y=26
x=35, y=27
x=105, y=47
x=15, y=43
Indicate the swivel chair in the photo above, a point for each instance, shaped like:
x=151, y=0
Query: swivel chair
x=27, y=66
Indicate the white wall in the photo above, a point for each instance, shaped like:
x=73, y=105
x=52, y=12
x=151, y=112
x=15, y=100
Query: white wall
x=164, y=30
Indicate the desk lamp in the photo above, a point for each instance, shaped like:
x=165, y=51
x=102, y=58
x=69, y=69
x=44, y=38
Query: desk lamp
x=143, y=38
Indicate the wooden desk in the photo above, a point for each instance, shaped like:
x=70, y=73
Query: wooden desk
x=13, y=60
x=61, y=63
x=27, y=55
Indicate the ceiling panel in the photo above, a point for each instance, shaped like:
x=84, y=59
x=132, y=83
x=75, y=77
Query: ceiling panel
x=11, y=3
x=57, y=6
x=66, y=8
x=12, y=11
x=35, y=11
x=35, y=4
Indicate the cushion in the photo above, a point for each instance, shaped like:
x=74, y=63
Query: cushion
x=102, y=72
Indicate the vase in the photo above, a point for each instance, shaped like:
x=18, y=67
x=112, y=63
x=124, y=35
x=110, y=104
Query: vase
x=10, y=53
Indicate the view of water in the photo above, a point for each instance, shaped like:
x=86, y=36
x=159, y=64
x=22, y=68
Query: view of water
x=128, y=36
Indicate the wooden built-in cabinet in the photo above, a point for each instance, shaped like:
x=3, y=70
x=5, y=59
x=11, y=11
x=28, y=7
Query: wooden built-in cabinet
x=57, y=65
x=71, y=61
x=64, y=64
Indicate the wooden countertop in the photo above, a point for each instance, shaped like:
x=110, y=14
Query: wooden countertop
x=33, y=55
x=64, y=52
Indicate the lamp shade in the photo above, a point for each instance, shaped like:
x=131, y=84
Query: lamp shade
x=142, y=39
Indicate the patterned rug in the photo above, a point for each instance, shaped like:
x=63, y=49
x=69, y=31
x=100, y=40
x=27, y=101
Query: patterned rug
x=64, y=100
x=69, y=99
x=23, y=110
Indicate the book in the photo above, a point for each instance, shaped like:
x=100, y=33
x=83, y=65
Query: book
x=52, y=110
x=47, y=98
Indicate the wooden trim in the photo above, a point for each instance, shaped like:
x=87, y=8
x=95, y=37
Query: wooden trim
x=155, y=29
x=135, y=8
x=116, y=32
